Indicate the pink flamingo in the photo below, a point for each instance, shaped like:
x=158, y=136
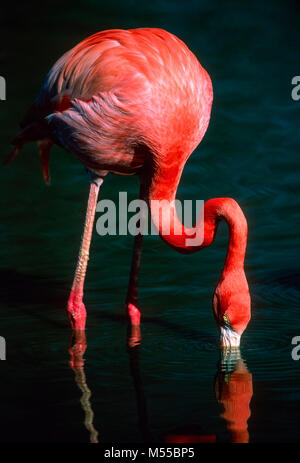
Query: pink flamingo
x=138, y=102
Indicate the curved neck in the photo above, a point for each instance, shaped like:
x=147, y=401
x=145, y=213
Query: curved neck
x=188, y=240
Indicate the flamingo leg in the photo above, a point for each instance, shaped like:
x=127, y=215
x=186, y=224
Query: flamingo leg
x=76, y=309
x=133, y=311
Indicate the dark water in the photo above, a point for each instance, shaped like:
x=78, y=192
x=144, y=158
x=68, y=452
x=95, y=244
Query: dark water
x=173, y=384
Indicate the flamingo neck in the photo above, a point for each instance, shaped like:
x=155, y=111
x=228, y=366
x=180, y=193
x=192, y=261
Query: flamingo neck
x=188, y=240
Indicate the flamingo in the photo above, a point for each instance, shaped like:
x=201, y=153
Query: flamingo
x=138, y=102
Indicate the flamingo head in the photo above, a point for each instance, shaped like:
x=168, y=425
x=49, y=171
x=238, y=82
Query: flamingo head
x=232, y=307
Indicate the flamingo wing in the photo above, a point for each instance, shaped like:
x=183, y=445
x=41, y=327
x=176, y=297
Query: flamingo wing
x=116, y=91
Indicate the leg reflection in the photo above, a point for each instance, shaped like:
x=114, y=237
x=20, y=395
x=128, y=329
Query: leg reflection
x=76, y=350
x=133, y=342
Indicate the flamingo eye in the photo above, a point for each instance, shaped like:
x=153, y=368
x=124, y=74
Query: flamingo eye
x=226, y=320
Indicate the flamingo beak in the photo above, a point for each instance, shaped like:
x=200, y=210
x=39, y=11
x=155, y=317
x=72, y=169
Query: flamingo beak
x=229, y=337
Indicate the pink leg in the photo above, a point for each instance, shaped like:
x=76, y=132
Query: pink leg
x=77, y=349
x=76, y=309
x=131, y=299
x=133, y=311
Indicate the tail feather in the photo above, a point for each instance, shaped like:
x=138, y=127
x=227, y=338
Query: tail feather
x=44, y=148
x=12, y=155
x=33, y=132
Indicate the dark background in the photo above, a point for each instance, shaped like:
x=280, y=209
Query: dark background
x=250, y=153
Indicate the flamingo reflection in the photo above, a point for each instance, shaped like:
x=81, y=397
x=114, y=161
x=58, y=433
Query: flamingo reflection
x=233, y=388
x=133, y=342
x=77, y=348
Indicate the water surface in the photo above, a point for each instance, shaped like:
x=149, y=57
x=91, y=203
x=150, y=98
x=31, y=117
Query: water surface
x=174, y=383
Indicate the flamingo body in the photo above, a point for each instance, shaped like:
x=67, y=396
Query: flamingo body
x=138, y=102
x=120, y=93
